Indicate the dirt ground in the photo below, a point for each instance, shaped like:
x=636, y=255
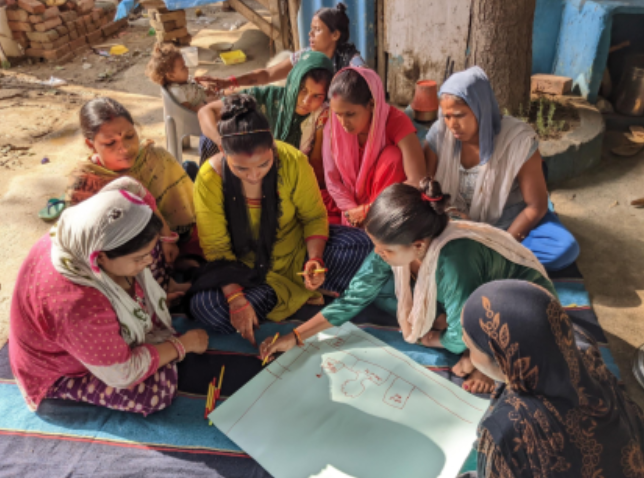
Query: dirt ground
x=39, y=122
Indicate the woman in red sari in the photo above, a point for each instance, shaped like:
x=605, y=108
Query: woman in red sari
x=368, y=145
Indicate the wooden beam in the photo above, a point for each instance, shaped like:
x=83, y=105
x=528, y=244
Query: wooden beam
x=293, y=9
x=380, y=31
x=243, y=9
x=264, y=3
x=276, y=21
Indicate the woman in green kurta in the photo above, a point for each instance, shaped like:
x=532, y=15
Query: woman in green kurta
x=261, y=222
x=423, y=269
x=296, y=112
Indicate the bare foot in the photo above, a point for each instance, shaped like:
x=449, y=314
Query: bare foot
x=464, y=367
x=477, y=382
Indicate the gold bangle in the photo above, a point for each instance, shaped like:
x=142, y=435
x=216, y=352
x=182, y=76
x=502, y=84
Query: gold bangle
x=234, y=296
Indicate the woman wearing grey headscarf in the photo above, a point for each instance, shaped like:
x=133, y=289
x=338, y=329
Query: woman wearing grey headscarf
x=491, y=166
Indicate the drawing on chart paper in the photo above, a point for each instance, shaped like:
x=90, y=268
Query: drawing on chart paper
x=346, y=404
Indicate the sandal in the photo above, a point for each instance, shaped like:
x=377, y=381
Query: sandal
x=53, y=209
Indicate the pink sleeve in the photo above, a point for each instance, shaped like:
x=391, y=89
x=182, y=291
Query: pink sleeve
x=149, y=200
x=91, y=333
x=399, y=126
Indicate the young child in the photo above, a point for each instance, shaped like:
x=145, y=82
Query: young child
x=168, y=69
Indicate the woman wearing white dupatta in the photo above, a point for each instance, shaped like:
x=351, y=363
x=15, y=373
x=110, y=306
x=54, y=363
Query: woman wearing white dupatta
x=423, y=269
x=491, y=166
x=88, y=321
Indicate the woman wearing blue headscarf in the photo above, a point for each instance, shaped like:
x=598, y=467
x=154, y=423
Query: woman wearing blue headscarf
x=491, y=166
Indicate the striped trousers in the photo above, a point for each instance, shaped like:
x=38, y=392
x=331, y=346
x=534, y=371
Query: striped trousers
x=344, y=253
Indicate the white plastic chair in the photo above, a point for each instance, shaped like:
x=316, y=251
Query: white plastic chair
x=180, y=124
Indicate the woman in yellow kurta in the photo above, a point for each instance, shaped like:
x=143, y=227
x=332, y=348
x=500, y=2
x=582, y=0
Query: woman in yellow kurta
x=261, y=221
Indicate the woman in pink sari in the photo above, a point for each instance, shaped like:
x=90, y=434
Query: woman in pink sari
x=368, y=145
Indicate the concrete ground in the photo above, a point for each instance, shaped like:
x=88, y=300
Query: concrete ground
x=595, y=205
x=596, y=208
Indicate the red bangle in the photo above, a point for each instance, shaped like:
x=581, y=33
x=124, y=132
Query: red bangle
x=318, y=260
x=240, y=309
x=234, y=81
x=233, y=292
x=172, y=238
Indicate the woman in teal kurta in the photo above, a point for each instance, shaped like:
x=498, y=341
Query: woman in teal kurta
x=445, y=262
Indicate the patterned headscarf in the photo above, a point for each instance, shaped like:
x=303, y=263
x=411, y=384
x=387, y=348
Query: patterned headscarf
x=561, y=412
x=104, y=222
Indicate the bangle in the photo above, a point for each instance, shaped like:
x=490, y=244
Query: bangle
x=234, y=292
x=298, y=338
x=240, y=309
x=173, y=238
x=178, y=346
x=234, y=296
x=318, y=260
x=234, y=81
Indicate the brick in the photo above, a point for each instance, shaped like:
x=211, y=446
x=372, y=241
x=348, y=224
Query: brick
x=71, y=6
x=32, y=6
x=55, y=44
x=551, y=84
x=169, y=36
x=87, y=19
x=73, y=34
x=109, y=29
x=36, y=19
x=23, y=43
x=92, y=27
x=48, y=36
x=17, y=15
x=167, y=17
x=51, y=12
x=85, y=6
x=78, y=42
x=62, y=30
x=48, y=25
x=19, y=36
x=122, y=23
x=103, y=21
x=82, y=29
x=97, y=15
x=94, y=37
x=69, y=16
x=79, y=21
x=21, y=27
x=36, y=45
x=49, y=54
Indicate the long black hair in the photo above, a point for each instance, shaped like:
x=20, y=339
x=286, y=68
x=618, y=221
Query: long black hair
x=403, y=214
x=336, y=19
x=351, y=87
x=95, y=113
x=240, y=115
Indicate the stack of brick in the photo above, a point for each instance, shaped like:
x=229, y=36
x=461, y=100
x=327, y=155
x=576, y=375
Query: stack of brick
x=170, y=26
x=56, y=29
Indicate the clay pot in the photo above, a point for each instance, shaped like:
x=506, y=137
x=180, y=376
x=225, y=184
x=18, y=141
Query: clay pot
x=425, y=102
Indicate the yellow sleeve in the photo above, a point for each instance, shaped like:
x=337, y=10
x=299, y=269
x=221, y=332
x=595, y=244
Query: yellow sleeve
x=309, y=207
x=211, y=219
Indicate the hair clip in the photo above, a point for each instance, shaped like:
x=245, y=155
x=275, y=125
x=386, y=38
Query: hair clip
x=429, y=199
x=245, y=133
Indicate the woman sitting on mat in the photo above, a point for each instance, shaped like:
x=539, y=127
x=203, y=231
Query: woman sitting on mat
x=558, y=411
x=116, y=152
x=329, y=35
x=491, y=166
x=433, y=265
x=261, y=221
x=368, y=145
x=296, y=113
x=88, y=321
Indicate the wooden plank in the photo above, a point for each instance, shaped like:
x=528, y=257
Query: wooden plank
x=274, y=8
x=243, y=9
x=293, y=9
x=380, y=30
x=264, y=3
